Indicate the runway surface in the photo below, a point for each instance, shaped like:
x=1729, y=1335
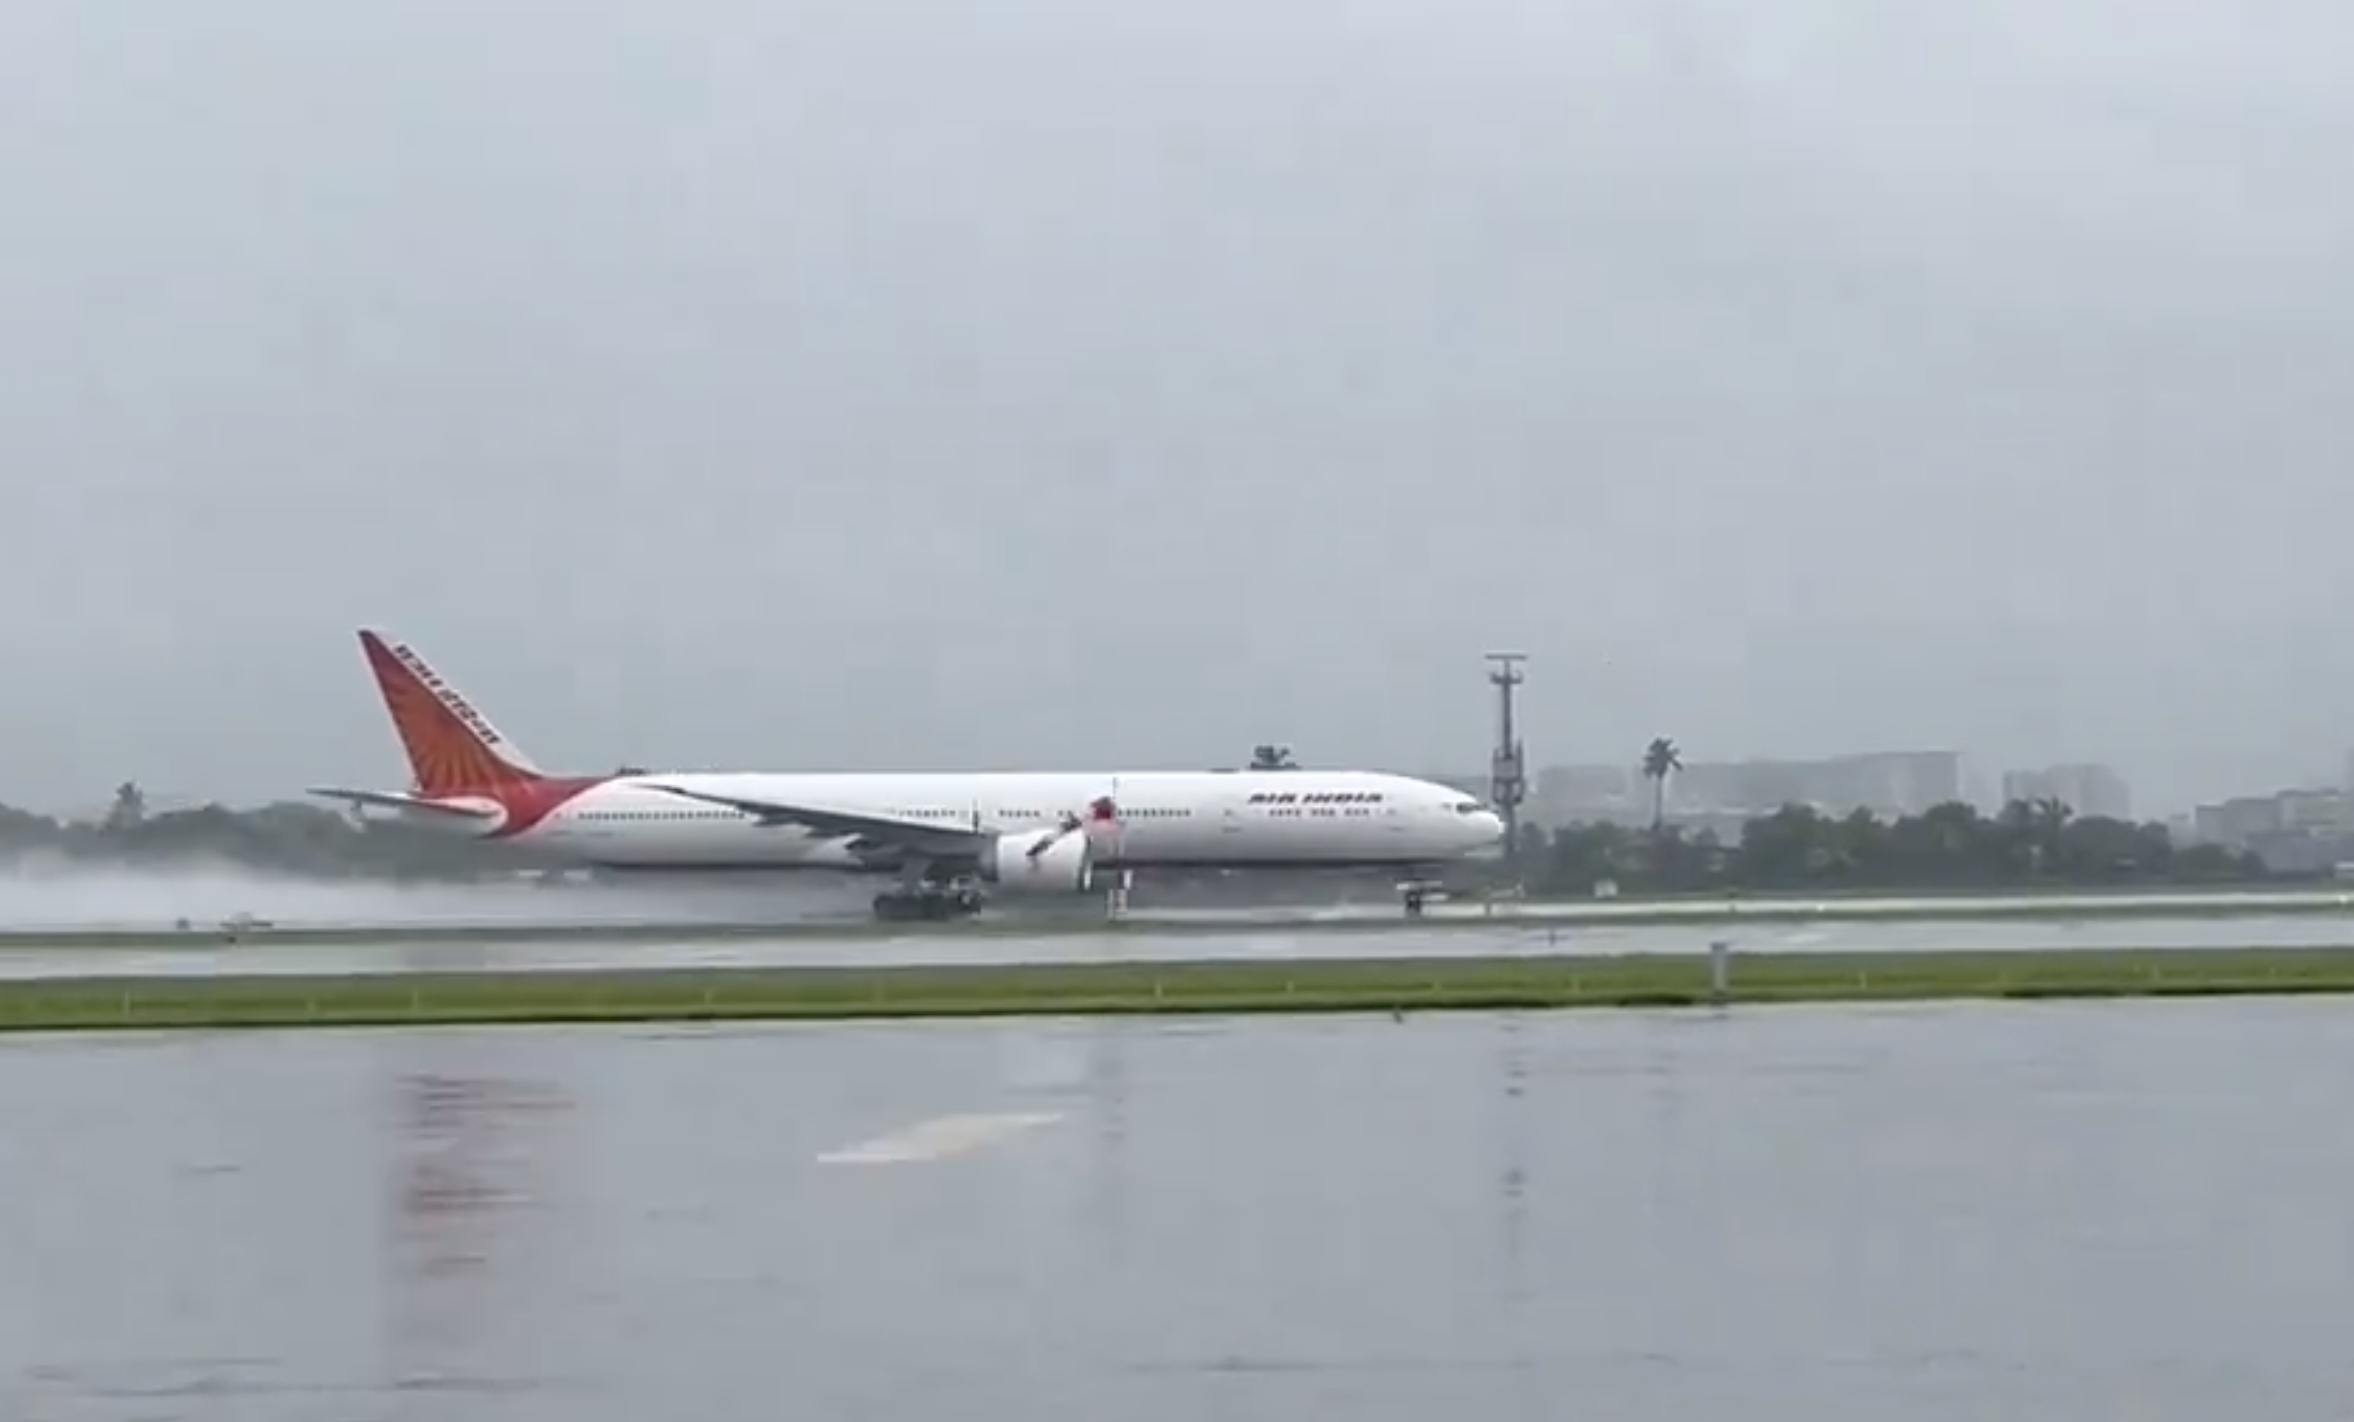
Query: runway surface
x=442, y=911
x=164, y=907
x=1925, y=1214
x=559, y=953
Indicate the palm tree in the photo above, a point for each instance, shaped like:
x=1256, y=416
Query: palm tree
x=129, y=808
x=1272, y=757
x=1661, y=759
x=2048, y=819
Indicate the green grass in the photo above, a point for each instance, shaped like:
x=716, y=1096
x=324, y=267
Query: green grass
x=1925, y=908
x=1293, y=985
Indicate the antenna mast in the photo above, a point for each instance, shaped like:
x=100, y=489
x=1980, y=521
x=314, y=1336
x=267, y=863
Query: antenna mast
x=1507, y=770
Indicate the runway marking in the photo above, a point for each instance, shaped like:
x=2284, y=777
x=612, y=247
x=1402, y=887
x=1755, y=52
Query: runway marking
x=940, y=1138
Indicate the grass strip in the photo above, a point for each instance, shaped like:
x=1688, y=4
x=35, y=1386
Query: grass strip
x=1283, y=985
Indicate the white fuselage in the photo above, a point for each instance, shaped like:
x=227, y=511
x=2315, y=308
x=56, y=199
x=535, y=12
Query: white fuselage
x=1163, y=818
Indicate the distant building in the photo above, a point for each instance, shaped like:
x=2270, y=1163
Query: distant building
x=1587, y=784
x=1909, y=782
x=2237, y=823
x=1720, y=795
x=1590, y=794
x=2316, y=812
x=1888, y=784
x=2088, y=789
x=2292, y=831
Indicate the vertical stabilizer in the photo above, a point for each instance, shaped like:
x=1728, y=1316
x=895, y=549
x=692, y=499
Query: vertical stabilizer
x=453, y=749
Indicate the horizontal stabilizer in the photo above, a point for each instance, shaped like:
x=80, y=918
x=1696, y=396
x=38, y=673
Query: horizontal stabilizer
x=385, y=800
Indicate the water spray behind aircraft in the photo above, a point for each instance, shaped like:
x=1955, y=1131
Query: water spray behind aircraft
x=83, y=897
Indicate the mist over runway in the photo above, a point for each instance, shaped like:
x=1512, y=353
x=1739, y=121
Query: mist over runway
x=121, y=899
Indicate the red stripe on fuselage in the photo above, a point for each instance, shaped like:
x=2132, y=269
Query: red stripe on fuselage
x=528, y=804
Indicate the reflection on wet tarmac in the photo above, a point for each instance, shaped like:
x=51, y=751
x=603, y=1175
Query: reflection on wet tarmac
x=1926, y=1212
x=478, y=1161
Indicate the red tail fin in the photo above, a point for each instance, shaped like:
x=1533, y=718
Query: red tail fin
x=453, y=749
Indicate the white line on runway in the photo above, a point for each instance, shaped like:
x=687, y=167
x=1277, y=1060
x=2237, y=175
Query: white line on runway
x=939, y=1138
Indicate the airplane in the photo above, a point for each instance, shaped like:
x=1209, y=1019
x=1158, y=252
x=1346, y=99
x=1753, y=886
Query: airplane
x=945, y=834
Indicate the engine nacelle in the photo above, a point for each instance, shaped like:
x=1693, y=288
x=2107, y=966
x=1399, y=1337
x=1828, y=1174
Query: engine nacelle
x=1041, y=862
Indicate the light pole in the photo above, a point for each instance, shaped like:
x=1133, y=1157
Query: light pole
x=1507, y=771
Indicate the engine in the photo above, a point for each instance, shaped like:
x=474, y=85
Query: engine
x=1041, y=862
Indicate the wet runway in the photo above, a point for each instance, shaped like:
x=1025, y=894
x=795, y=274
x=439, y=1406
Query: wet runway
x=167, y=904
x=559, y=953
x=1798, y=1215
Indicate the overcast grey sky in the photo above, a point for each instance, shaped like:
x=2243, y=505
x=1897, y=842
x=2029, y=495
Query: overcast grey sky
x=848, y=383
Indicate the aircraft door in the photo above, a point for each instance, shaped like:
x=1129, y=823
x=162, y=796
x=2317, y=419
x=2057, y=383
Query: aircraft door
x=1228, y=844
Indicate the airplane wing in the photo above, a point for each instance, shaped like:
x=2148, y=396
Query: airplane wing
x=385, y=801
x=867, y=831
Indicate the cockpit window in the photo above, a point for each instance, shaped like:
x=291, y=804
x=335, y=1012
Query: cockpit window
x=1467, y=807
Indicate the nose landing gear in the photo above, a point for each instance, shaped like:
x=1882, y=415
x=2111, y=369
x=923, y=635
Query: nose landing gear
x=1416, y=893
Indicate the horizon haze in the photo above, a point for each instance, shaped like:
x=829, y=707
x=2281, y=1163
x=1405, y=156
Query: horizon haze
x=822, y=385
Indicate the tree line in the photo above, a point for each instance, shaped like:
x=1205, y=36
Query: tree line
x=1951, y=846
x=285, y=838
x=1947, y=847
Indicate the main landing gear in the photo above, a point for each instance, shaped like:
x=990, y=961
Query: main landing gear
x=929, y=901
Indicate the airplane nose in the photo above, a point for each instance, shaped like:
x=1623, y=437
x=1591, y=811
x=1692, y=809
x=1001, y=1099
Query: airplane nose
x=1488, y=826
